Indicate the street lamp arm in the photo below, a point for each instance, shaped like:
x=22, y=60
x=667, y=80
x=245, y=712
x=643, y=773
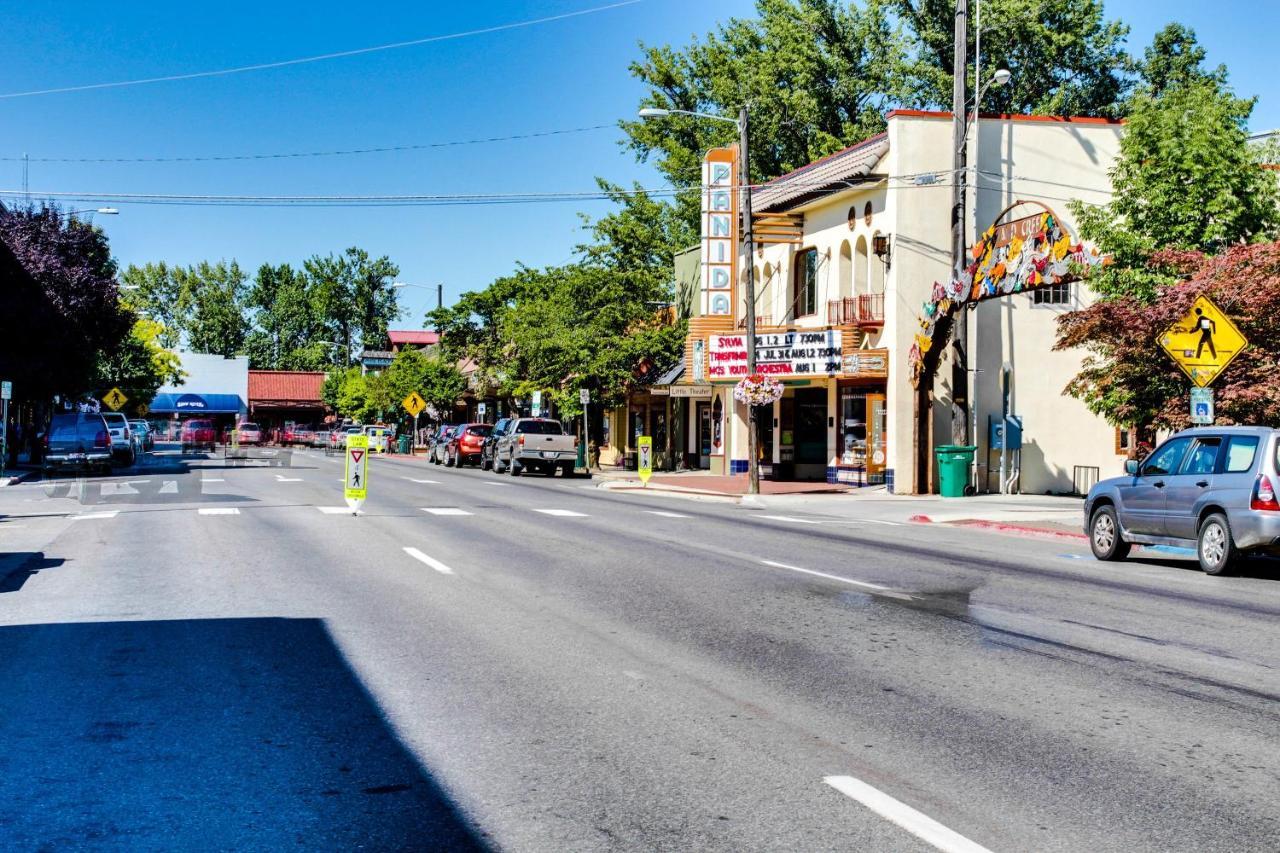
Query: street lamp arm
x=657, y=112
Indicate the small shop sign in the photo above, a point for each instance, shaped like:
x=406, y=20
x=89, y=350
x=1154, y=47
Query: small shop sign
x=690, y=391
x=873, y=363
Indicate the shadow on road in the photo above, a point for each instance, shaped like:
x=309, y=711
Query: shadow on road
x=211, y=734
x=17, y=566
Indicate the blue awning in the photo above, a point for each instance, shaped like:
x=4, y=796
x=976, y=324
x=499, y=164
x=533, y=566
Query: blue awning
x=197, y=404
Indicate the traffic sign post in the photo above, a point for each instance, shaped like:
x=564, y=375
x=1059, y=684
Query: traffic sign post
x=6, y=392
x=1203, y=342
x=537, y=404
x=644, y=446
x=115, y=399
x=584, y=397
x=355, y=487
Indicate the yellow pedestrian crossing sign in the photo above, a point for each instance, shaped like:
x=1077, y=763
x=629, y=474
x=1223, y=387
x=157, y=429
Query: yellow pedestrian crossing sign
x=355, y=479
x=115, y=399
x=1203, y=342
x=644, y=448
x=414, y=404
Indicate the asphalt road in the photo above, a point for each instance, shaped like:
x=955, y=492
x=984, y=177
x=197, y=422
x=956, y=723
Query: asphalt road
x=206, y=656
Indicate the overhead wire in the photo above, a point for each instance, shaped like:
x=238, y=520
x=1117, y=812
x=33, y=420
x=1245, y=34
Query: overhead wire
x=341, y=54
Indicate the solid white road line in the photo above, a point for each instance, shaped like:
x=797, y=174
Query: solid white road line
x=792, y=519
x=218, y=510
x=665, y=514
x=920, y=825
x=490, y=483
x=562, y=513
x=444, y=510
x=430, y=561
x=416, y=480
x=84, y=516
x=875, y=586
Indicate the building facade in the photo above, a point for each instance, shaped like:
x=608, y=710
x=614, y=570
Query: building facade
x=852, y=251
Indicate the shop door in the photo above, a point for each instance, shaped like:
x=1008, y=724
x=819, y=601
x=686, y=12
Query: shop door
x=704, y=435
x=811, y=427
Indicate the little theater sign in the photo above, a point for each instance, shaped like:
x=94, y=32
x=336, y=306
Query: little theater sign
x=781, y=354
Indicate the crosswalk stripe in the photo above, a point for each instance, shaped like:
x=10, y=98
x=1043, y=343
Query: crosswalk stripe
x=562, y=513
x=335, y=510
x=444, y=510
x=84, y=516
x=170, y=487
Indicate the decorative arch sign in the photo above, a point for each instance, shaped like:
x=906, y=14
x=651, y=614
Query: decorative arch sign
x=1012, y=256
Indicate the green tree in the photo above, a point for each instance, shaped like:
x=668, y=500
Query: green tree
x=288, y=328
x=437, y=380
x=217, y=295
x=154, y=290
x=1066, y=58
x=355, y=298
x=1187, y=178
x=1176, y=59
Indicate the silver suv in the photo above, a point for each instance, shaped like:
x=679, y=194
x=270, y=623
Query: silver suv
x=1210, y=488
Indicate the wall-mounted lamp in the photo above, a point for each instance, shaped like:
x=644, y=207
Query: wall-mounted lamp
x=880, y=245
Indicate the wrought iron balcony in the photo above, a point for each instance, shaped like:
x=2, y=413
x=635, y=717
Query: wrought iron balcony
x=865, y=311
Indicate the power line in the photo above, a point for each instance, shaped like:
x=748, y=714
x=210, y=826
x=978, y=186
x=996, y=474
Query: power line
x=263, y=66
x=300, y=154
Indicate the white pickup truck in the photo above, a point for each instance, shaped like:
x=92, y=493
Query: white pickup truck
x=535, y=444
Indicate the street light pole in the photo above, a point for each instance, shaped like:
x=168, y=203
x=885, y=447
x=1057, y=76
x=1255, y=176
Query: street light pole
x=753, y=438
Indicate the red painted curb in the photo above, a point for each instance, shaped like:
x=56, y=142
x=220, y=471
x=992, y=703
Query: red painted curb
x=1021, y=530
x=921, y=519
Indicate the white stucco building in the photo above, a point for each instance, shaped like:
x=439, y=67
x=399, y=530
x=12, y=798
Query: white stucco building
x=849, y=251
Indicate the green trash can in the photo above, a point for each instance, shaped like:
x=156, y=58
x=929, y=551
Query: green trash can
x=953, y=468
x=403, y=442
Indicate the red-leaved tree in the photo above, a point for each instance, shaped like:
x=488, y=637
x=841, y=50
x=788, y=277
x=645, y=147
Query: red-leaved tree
x=1129, y=379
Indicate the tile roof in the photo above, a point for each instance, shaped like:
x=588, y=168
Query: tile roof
x=400, y=337
x=810, y=181
x=292, y=385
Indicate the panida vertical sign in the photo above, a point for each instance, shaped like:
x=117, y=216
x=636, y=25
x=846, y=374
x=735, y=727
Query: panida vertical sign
x=783, y=354
x=719, y=231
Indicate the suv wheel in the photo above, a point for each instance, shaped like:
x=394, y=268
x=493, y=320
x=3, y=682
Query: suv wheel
x=516, y=467
x=1215, y=548
x=1104, y=536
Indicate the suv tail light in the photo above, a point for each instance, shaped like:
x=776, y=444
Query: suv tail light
x=101, y=439
x=1264, y=495
x=522, y=439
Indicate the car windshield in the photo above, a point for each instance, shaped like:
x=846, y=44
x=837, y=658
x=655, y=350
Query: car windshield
x=540, y=427
x=249, y=426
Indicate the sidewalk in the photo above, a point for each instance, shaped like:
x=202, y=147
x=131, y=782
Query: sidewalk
x=1043, y=516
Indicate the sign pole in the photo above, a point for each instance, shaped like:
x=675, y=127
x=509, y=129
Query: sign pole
x=415, y=431
x=584, y=460
x=4, y=435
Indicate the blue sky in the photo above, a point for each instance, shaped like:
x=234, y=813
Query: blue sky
x=565, y=74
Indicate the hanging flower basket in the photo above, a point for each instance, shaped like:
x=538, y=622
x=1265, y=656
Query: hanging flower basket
x=757, y=390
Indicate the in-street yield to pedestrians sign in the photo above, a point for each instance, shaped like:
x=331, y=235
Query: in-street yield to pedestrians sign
x=115, y=399
x=644, y=444
x=356, y=477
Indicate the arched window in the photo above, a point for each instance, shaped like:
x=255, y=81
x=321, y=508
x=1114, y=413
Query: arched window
x=861, y=268
x=877, y=275
x=845, y=271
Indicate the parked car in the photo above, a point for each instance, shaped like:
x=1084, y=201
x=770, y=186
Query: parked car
x=465, y=444
x=248, y=433
x=349, y=431
x=78, y=440
x=439, y=443
x=198, y=434
x=490, y=442
x=123, y=447
x=145, y=435
x=297, y=435
x=1208, y=488
x=535, y=444
x=379, y=438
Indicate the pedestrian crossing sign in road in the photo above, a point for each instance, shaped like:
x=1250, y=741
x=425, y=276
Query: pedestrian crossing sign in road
x=1203, y=342
x=115, y=399
x=414, y=404
x=644, y=448
x=356, y=472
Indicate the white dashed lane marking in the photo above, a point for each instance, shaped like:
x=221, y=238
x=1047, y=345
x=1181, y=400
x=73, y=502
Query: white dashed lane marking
x=884, y=590
x=416, y=480
x=218, y=510
x=280, y=478
x=562, y=513
x=445, y=510
x=85, y=516
x=793, y=519
x=335, y=510
x=430, y=561
x=665, y=514
x=918, y=824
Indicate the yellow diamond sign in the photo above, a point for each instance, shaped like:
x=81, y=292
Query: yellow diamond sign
x=1203, y=342
x=115, y=399
x=414, y=404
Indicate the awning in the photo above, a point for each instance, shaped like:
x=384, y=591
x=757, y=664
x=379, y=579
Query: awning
x=197, y=404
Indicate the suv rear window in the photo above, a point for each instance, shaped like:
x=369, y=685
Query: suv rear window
x=540, y=427
x=1240, y=453
x=74, y=427
x=479, y=430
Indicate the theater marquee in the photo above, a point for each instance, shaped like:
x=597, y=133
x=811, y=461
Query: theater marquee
x=782, y=355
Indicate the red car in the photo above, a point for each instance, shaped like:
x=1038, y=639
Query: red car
x=198, y=434
x=249, y=434
x=298, y=435
x=465, y=444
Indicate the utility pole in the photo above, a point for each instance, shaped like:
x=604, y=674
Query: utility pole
x=753, y=463
x=440, y=295
x=960, y=327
